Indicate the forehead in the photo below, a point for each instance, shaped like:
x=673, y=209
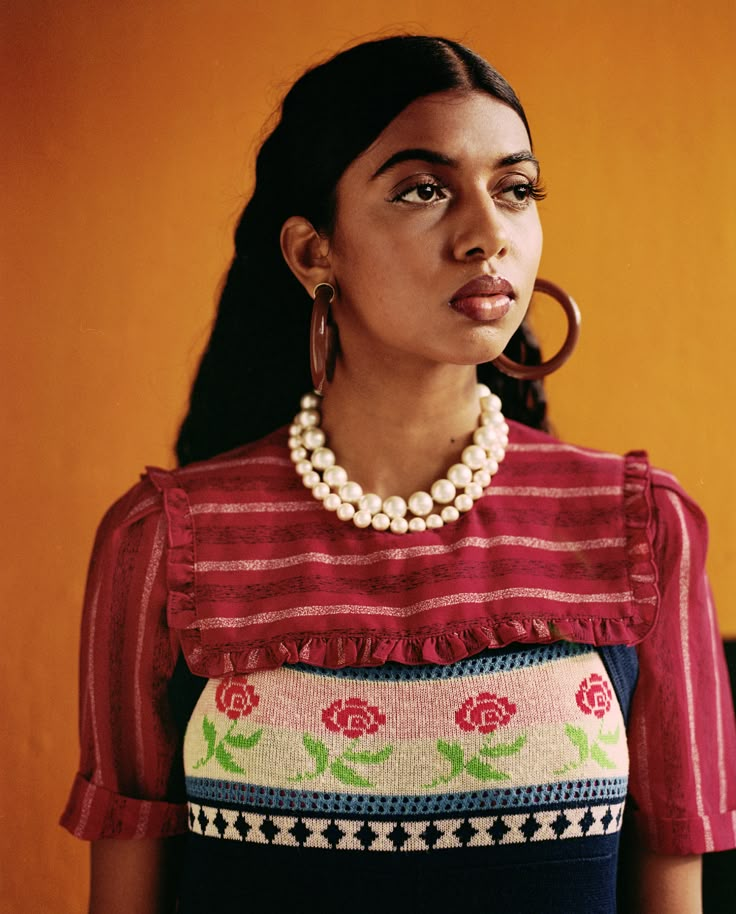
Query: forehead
x=459, y=124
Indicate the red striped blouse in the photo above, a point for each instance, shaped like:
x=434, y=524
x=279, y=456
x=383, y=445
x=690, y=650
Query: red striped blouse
x=232, y=563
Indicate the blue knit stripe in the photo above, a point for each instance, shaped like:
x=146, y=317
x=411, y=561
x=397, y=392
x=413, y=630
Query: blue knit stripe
x=285, y=799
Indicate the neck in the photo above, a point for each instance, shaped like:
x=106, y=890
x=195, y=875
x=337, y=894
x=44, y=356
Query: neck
x=395, y=434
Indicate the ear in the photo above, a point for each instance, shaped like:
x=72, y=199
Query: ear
x=306, y=252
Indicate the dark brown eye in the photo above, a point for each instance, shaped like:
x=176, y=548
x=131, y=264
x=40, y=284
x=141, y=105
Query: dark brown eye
x=425, y=191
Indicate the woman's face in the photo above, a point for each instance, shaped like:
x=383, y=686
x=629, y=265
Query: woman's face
x=443, y=197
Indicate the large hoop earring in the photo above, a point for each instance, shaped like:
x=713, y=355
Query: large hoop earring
x=322, y=337
x=572, y=312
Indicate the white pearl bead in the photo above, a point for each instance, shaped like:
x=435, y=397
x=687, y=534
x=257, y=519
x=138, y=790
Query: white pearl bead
x=381, y=521
x=351, y=491
x=498, y=453
x=295, y=429
x=308, y=417
x=311, y=479
x=336, y=476
x=486, y=418
x=332, y=502
x=463, y=502
x=459, y=475
x=495, y=403
x=417, y=524
x=294, y=442
x=474, y=457
x=498, y=420
x=362, y=519
x=443, y=491
x=309, y=401
x=304, y=466
x=298, y=453
x=321, y=490
x=434, y=522
x=394, y=506
x=450, y=514
x=491, y=466
x=474, y=490
x=483, y=390
x=399, y=525
x=313, y=437
x=345, y=511
x=482, y=477
x=371, y=502
x=323, y=458
x=484, y=437
x=420, y=503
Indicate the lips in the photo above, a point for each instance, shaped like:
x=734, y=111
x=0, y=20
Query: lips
x=485, y=298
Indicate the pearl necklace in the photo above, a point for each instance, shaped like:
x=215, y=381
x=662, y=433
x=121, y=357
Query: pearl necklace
x=317, y=466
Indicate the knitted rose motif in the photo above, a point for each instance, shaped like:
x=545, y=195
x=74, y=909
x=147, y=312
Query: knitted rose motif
x=235, y=697
x=484, y=713
x=594, y=696
x=353, y=717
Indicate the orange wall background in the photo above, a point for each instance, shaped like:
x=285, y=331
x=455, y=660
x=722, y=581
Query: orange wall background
x=129, y=133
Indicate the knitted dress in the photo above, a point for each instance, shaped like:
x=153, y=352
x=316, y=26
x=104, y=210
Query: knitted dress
x=431, y=720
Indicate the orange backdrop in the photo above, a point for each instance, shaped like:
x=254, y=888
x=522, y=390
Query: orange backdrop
x=132, y=130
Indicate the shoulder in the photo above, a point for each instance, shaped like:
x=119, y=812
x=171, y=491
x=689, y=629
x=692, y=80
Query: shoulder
x=533, y=453
x=152, y=499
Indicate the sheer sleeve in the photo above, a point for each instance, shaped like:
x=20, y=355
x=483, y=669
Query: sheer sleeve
x=682, y=734
x=130, y=780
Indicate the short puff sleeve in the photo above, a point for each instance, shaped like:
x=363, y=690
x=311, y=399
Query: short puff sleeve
x=682, y=739
x=130, y=778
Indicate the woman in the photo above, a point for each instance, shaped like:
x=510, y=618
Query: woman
x=416, y=682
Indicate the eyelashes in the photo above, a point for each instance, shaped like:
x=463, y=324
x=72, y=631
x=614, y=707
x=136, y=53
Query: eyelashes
x=425, y=190
x=429, y=191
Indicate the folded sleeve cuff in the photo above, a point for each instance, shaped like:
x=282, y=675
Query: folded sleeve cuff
x=93, y=812
x=699, y=835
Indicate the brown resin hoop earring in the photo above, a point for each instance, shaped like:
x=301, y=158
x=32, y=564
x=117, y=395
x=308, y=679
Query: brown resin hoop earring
x=572, y=312
x=322, y=337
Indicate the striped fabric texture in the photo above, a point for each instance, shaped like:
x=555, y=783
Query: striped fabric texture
x=232, y=563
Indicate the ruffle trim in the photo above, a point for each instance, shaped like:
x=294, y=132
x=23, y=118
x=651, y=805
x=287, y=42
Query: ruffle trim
x=639, y=519
x=338, y=650
x=454, y=641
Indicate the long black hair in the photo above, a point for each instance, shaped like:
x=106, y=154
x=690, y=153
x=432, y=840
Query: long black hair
x=256, y=363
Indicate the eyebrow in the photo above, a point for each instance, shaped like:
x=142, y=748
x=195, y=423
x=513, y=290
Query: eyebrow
x=438, y=158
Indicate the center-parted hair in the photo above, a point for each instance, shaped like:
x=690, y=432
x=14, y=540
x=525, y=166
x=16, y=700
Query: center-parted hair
x=256, y=363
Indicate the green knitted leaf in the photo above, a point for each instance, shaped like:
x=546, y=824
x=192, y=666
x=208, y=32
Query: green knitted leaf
x=347, y=775
x=453, y=752
x=578, y=737
x=243, y=742
x=368, y=758
x=484, y=772
x=600, y=756
x=319, y=752
x=210, y=735
x=503, y=748
x=609, y=738
x=226, y=760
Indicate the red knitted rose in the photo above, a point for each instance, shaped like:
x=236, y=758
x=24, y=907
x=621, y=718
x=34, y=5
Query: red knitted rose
x=594, y=696
x=235, y=697
x=352, y=717
x=484, y=713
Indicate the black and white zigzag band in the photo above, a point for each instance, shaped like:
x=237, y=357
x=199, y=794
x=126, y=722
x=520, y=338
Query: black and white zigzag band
x=331, y=833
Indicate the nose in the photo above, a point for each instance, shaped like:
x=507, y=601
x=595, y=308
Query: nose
x=482, y=231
